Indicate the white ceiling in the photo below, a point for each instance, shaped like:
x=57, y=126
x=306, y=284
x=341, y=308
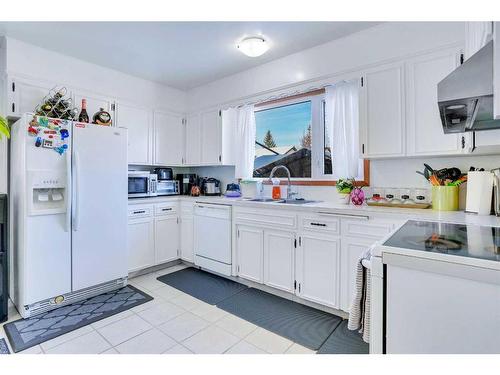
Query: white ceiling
x=179, y=54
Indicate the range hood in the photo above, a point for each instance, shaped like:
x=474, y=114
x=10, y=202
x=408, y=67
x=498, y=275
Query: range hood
x=465, y=96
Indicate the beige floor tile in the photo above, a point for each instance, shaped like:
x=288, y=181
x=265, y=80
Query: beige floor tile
x=299, y=349
x=66, y=337
x=90, y=343
x=147, y=281
x=244, y=347
x=237, y=326
x=161, y=313
x=172, y=269
x=166, y=292
x=124, y=329
x=113, y=318
x=150, y=342
x=178, y=349
x=33, y=350
x=110, y=351
x=268, y=341
x=187, y=302
x=211, y=340
x=183, y=326
x=155, y=301
x=209, y=312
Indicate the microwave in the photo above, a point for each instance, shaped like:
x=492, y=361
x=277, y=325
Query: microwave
x=141, y=184
x=167, y=187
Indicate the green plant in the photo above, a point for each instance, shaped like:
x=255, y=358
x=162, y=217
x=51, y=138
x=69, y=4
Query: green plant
x=4, y=127
x=345, y=186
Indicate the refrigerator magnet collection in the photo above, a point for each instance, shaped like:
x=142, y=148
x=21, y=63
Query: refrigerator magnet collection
x=50, y=133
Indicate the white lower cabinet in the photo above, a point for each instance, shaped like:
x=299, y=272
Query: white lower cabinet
x=250, y=253
x=166, y=238
x=317, y=269
x=279, y=259
x=141, y=243
x=187, y=232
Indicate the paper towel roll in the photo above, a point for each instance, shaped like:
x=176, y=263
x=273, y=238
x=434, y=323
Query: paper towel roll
x=479, y=192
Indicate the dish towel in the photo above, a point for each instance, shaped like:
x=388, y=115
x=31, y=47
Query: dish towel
x=359, y=315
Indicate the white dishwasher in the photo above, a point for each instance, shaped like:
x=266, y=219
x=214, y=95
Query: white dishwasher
x=212, y=237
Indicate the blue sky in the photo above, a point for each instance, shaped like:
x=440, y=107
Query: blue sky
x=287, y=124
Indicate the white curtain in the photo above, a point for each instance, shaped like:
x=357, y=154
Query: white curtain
x=242, y=122
x=342, y=123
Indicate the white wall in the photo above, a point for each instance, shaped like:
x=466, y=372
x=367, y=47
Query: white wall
x=27, y=59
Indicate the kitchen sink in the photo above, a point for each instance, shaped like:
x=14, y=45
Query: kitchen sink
x=262, y=200
x=296, y=201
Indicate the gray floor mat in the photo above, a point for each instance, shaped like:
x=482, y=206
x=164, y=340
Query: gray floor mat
x=302, y=324
x=25, y=333
x=344, y=341
x=4, y=348
x=203, y=285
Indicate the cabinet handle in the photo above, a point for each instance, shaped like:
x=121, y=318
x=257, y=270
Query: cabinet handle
x=139, y=212
x=13, y=107
x=319, y=224
x=167, y=209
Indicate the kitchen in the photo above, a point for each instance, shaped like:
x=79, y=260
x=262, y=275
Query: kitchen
x=238, y=234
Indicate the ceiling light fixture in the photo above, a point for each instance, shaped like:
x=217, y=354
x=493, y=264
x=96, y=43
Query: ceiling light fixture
x=253, y=46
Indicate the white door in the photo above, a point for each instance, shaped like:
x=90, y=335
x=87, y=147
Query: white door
x=139, y=123
x=166, y=239
x=250, y=252
x=279, y=256
x=317, y=269
x=425, y=131
x=211, y=138
x=193, y=140
x=187, y=233
x=94, y=103
x=382, y=112
x=351, y=250
x=141, y=249
x=169, y=138
x=99, y=237
x=25, y=95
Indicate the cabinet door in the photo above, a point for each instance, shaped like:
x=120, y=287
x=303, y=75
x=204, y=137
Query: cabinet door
x=425, y=131
x=382, y=114
x=279, y=264
x=187, y=233
x=193, y=140
x=249, y=252
x=211, y=137
x=166, y=239
x=317, y=269
x=25, y=95
x=169, y=139
x=141, y=250
x=139, y=123
x=351, y=250
x=94, y=103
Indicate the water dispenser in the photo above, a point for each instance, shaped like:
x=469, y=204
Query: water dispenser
x=48, y=191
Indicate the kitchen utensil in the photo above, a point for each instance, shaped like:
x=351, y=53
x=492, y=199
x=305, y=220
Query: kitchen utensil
x=164, y=173
x=210, y=186
x=233, y=191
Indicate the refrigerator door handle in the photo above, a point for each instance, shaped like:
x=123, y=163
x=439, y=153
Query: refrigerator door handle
x=76, y=192
x=68, y=192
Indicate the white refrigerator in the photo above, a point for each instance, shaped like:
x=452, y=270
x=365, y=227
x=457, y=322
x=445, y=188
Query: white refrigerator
x=68, y=191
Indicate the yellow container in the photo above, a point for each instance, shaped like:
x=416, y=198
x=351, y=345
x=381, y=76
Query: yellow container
x=445, y=198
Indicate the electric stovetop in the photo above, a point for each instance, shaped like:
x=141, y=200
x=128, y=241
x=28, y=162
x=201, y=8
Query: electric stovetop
x=472, y=241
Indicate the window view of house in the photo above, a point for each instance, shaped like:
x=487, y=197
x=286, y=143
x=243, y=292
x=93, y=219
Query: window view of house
x=284, y=137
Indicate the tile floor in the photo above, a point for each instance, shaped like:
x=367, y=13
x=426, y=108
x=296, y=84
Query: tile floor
x=173, y=323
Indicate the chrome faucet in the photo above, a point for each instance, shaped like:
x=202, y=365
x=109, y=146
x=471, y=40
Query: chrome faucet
x=289, y=193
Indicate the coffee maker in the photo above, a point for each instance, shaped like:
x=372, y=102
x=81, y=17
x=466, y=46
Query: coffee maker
x=186, y=182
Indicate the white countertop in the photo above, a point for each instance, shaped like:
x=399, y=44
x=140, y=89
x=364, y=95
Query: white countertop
x=459, y=217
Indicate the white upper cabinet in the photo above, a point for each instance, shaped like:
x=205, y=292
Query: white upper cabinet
x=139, y=123
x=424, y=128
x=382, y=114
x=168, y=139
x=94, y=103
x=211, y=138
x=193, y=140
x=24, y=95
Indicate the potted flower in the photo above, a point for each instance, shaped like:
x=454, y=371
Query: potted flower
x=344, y=188
x=4, y=127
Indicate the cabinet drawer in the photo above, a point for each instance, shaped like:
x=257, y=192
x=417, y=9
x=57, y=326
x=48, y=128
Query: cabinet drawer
x=135, y=212
x=321, y=224
x=166, y=209
x=375, y=229
x=266, y=218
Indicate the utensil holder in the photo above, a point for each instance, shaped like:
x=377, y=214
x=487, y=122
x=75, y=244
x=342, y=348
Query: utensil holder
x=445, y=198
